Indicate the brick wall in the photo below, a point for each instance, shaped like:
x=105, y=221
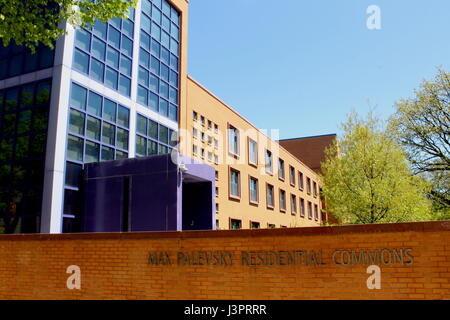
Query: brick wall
x=415, y=264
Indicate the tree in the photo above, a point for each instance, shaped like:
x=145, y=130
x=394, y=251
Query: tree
x=422, y=125
x=29, y=22
x=366, y=178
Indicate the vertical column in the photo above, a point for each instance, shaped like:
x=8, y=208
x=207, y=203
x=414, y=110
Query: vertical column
x=53, y=195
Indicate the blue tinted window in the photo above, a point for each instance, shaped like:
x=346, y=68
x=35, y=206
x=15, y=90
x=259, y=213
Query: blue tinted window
x=94, y=105
x=174, y=62
x=125, y=65
x=174, y=79
x=163, y=107
x=109, y=110
x=127, y=46
x=112, y=57
x=164, y=72
x=116, y=22
x=145, y=40
x=174, y=46
x=153, y=101
x=142, y=96
x=124, y=85
x=141, y=125
x=146, y=6
x=175, y=16
x=143, y=77
x=165, y=56
x=173, y=95
x=78, y=96
x=166, y=8
x=97, y=70
x=156, y=15
x=46, y=58
x=165, y=23
x=83, y=40
x=111, y=77
x=81, y=61
x=98, y=49
x=154, y=83
x=164, y=89
x=15, y=66
x=154, y=65
x=165, y=39
x=156, y=31
x=114, y=37
x=144, y=58
x=123, y=117
x=100, y=29
x=175, y=32
x=173, y=113
x=128, y=28
x=155, y=48
x=145, y=23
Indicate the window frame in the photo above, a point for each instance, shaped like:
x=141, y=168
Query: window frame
x=230, y=129
x=230, y=196
x=280, y=192
x=271, y=207
x=293, y=199
x=249, y=141
x=250, y=190
x=292, y=176
x=301, y=184
x=267, y=151
x=282, y=178
x=237, y=220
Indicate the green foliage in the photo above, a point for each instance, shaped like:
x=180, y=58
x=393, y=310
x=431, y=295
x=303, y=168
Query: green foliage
x=368, y=180
x=32, y=21
x=422, y=125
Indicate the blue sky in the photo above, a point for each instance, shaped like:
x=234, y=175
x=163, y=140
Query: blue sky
x=302, y=65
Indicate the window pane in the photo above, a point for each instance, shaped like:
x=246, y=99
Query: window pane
x=108, y=133
x=146, y=6
x=12, y=99
x=9, y=123
x=123, y=117
x=97, y=70
x=165, y=39
x=154, y=83
x=81, y=61
x=100, y=29
x=40, y=119
x=128, y=27
x=94, y=105
x=163, y=107
x=173, y=113
x=124, y=85
x=76, y=122
x=154, y=65
x=156, y=14
x=114, y=37
x=31, y=62
x=141, y=145
x=107, y=153
x=142, y=96
x=75, y=148
x=26, y=96
x=125, y=65
x=93, y=128
x=173, y=95
x=112, y=58
x=145, y=23
x=111, y=78
x=164, y=72
x=166, y=8
x=141, y=125
x=22, y=146
x=174, y=79
x=155, y=48
x=78, y=96
x=122, y=139
x=153, y=129
x=152, y=148
x=156, y=32
x=144, y=58
x=164, y=89
x=145, y=40
x=71, y=202
x=73, y=174
x=153, y=102
x=109, y=110
x=92, y=152
x=127, y=46
x=98, y=49
x=164, y=134
x=38, y=142
x=174, y=62
x=116, y=22
x=174, y=32
x=43, y=93
x=165, y=56
x=83, y=40
x=121, y=155
x=174, y=47
x=143, y=76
